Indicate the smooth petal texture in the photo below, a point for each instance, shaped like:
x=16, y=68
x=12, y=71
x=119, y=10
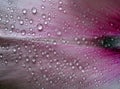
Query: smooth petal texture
x=55, y=44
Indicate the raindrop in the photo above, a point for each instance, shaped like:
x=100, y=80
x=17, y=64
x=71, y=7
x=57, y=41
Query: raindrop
x=43, y=16
x=6, y=62
x=7, y=21
x=27, y=60
x=12, y=26
x=18, y=17
x=23, y=65
x=60, y=2
x=59, y=33
x=24, y=11
x=30, y=29
x=31, y=21
x=16, y=61
x=44, y=0
x=21, y=22
x=45, y=22
x=34, y=10
x=12, y=10
x=0, y=18
x=40, y=27
x=60, y=8
x=80, y=67
x=48, y=34
x=43, y=7
x=1, y=56
x=33, y=60
x=6, y=15
x=14, y=50
x=23, y=32
x=54, y=42
x=11, y=16
x=6, y=28
x=83, y=71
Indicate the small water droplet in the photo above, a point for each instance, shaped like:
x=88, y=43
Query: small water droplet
x=60, y=2
x=11, y=16
x=18, y=17
x=33, y=60
x=45, y=22
x=12, y=26
x=40, y=27
x=60, y=8
x=21, y=22
x=44, y=0
x=59, y=33
x=43, y=7
x=34, y=10
x=27, y=60
x=6, y=62
x=43, y=16
x=12, y=10
x=7, y=21
x=31, y=21
x=0, y=18
x=24, y=11
x=6, y=28
x=1, y=55
x=14, y=50
x=23, y=65
x=23, y=32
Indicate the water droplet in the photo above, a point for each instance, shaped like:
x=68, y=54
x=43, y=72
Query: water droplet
x=83, y=71
x=60, y=2
x=1, y=56
x=33, y=60
x=21, y=22
x=59, y=33
x=43, y=7
x=45, y=22
x=43, y=16
x=12, y=10
x=54, y=42
x=44, y=0
x=34, y=10
x=27, y=60
x=0, y=18
x=24, y=11
x=14, y=50
x=6, y=28
x=7, y=21
x=18, y=17
x=11, y=16
x=60, y=8
x=23, y=32
x=6, y=62
x=40, y=27
x=31, y=21
x=12, y=26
